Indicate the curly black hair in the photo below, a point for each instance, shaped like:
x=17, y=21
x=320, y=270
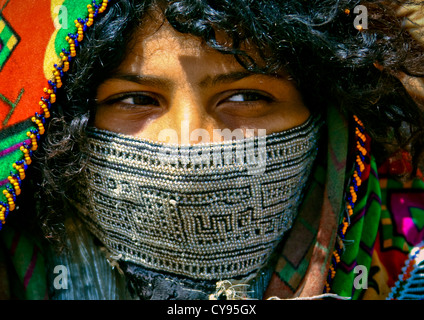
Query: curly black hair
x=315, y=41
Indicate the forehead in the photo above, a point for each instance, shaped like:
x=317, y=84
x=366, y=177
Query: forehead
x=156, y=44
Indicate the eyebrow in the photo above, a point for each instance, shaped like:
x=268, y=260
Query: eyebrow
x=151, y=81
x=208, y=81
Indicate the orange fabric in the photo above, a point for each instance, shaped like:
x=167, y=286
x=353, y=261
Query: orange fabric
x=26, y=59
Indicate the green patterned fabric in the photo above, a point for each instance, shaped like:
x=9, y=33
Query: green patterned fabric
x=27, y=273
x=384, y=203
x=305, y=255
x=74, y=9
x=360, y=237
x=9, y=150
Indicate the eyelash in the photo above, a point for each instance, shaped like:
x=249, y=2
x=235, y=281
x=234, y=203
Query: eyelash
x=258, y=96
x=120, y=99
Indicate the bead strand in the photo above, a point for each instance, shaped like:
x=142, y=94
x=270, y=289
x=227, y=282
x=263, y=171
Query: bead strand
x=15, y=182
x=352, y=197
x=103, y=7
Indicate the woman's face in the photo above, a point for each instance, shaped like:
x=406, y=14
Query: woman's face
x=173, y=81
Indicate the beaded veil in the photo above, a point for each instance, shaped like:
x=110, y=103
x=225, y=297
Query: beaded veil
x=195, y=217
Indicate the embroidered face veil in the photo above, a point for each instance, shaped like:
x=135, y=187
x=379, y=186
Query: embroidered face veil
x=208, y=211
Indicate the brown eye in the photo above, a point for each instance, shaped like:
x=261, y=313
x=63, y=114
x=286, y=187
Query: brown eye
x=246, y=103
x=130, y=100
x=248, y=96
x=140, y=100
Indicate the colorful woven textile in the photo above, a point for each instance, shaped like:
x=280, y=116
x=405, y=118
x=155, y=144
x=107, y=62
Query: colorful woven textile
x=27, y=60
x=28, y=63
x=386, y=227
